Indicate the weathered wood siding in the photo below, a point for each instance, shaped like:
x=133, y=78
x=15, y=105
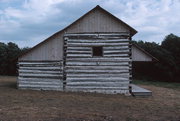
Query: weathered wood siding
x=49, y=50
x=139, y=55
x=96, y=22
x=106, y=74
x=40, y=75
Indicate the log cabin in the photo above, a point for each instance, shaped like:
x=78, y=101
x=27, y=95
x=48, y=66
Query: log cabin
x=93, y=54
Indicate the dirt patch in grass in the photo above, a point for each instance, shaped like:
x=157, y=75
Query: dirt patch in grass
x=28, y=105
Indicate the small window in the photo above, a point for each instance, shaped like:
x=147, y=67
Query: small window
x=97, y=51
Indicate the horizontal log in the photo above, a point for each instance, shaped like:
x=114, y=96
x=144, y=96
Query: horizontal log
x=116, y=48
x=39, y=79
x=94, y=88
x=40, y=72
x=36, y=74
x=39, y=86
x=97, y=44
x=99, y=59
x=97, y=71
x=79, y=55
x=95, y=83
x=105, y=91
x=116, y=55
x=44, y=61
x=40, y=63
x=107, y=76
x=28, y=65
x=97, y=40
x=40, y=83
x=119, y=91
x=79, y=48
x=96, y=63
x=78, y=52
x=98, y=75
x=116, y=51
x=40, y=68
x=48, y=77
x=98, y=67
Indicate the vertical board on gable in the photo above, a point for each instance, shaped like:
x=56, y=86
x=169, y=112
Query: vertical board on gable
x=139, y=55
x=96, y=22
x=49, y=50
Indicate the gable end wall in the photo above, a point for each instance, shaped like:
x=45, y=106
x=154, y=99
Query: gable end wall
x=95, y=22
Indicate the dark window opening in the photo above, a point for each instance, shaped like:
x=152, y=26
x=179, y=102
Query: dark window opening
x=97, y=51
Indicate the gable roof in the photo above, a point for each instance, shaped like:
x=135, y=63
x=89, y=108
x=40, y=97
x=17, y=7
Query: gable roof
x=132, y=30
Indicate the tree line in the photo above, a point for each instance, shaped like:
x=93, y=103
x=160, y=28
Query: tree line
x=168, y=66
x=166, y=69
x=8, y=58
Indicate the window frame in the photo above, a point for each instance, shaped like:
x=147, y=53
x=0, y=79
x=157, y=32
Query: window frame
x=102, y=51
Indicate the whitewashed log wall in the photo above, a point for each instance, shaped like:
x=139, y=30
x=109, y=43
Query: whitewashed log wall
x=45, y=75
x=107, y=74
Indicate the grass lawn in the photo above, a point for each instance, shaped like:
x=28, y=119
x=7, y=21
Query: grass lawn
x=29, y=105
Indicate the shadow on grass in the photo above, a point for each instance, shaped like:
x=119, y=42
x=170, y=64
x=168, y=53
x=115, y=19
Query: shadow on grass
x=8, y=81
x=9, y=85
x=158, y=84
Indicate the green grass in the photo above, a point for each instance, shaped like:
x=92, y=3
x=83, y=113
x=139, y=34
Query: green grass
x=157, y=83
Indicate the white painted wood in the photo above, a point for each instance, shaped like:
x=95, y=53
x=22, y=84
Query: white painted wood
x=70, y=79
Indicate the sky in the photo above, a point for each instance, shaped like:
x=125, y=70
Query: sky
x=28, y=22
